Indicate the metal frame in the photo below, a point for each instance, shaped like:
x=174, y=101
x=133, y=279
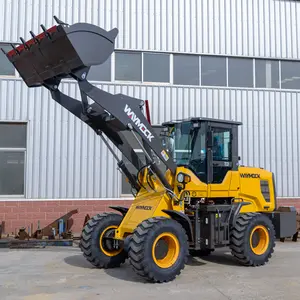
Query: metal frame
x=200, y=70
x=16, y=74
x=23, y=150
x=171, y=70
x=189, y=53
x=233, y=162
x=170, y=83
x=114, y=67
x=279, y=69
x=254, y=73
x=142, y=67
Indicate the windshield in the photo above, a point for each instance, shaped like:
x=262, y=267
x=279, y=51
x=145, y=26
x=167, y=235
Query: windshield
x=186, y=144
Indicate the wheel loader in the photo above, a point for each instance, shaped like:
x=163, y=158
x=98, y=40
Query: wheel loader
x=191, y=194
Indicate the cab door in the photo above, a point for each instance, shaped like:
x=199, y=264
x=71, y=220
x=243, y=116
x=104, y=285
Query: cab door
x=222, y=157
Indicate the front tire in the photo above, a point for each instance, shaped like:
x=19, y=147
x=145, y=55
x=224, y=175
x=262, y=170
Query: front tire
x=252, y=239
x=98, y=250
x=158, y=250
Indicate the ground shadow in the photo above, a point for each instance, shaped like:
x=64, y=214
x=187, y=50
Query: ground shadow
x=126, y=273
x=78, y=261
x=222, y=257
x=193, y=261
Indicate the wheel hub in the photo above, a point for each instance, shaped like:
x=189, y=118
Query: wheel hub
x=107, y=243
x=259, y=240
x=161, y=249
x=165, y=250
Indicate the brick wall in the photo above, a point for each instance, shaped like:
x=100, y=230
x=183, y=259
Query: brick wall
x=290, y=201
x=18, y=214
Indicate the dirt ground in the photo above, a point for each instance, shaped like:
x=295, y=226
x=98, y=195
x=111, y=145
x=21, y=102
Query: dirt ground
x=60, y=273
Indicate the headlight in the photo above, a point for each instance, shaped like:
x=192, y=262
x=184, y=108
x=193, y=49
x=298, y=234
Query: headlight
x=180, y=178
x=183, y=178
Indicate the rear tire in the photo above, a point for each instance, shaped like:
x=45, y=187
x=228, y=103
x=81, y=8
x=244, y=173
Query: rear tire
x=98, y=251
x=158, y=250
x=252, y=239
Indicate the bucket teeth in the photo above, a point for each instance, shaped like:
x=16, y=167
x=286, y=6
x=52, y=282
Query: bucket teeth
x=16, y=50
x=46, y=32
x=34, y=37
x=59, y=22
x=24, y=43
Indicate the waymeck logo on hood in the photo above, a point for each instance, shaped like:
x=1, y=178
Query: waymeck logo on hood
x=142, y=127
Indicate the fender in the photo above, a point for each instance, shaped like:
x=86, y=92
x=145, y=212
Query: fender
x=183, y=220
x=121, y=209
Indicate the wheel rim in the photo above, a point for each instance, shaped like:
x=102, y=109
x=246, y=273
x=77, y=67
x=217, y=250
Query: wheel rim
x=259, y=240
x=165, y=250
x=106, y=245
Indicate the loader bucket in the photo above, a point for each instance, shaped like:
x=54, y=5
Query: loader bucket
x=60, y=51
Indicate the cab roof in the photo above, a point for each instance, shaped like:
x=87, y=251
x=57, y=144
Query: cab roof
x=201, y=119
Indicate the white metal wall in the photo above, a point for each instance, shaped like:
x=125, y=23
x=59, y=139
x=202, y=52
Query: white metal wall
x=66, y=160
x=267, y=28
x=64, y=157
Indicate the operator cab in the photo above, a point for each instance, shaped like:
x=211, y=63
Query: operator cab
x=208, y=147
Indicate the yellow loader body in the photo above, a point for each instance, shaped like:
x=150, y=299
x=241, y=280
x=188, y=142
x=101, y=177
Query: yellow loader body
x=243, y=185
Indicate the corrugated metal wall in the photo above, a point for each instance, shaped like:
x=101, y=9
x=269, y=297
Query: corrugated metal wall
x=232, y=27
x=66, y=160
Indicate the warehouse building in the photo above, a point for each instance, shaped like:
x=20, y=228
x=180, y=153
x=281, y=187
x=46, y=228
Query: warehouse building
x=235, y=60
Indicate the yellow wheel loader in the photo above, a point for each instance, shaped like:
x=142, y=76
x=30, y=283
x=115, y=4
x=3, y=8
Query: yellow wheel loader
x=191, y=195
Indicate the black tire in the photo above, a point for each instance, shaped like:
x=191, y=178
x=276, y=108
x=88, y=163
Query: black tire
x=140, y=249
x=90, y=241
x=241, y=241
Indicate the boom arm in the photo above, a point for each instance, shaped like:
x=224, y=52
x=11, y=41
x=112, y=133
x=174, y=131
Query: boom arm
x=64, y=51
x=128, y=111
x=96, y=120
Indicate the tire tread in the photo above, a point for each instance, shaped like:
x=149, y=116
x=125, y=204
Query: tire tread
x=137, y=257
x=237, y=240
x=86, y=242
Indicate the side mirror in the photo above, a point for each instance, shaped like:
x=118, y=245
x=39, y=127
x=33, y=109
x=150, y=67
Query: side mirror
x=239, y=158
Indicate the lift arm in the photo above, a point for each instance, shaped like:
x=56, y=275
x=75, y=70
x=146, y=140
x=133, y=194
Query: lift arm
x=96, y=120
x=65, y=51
